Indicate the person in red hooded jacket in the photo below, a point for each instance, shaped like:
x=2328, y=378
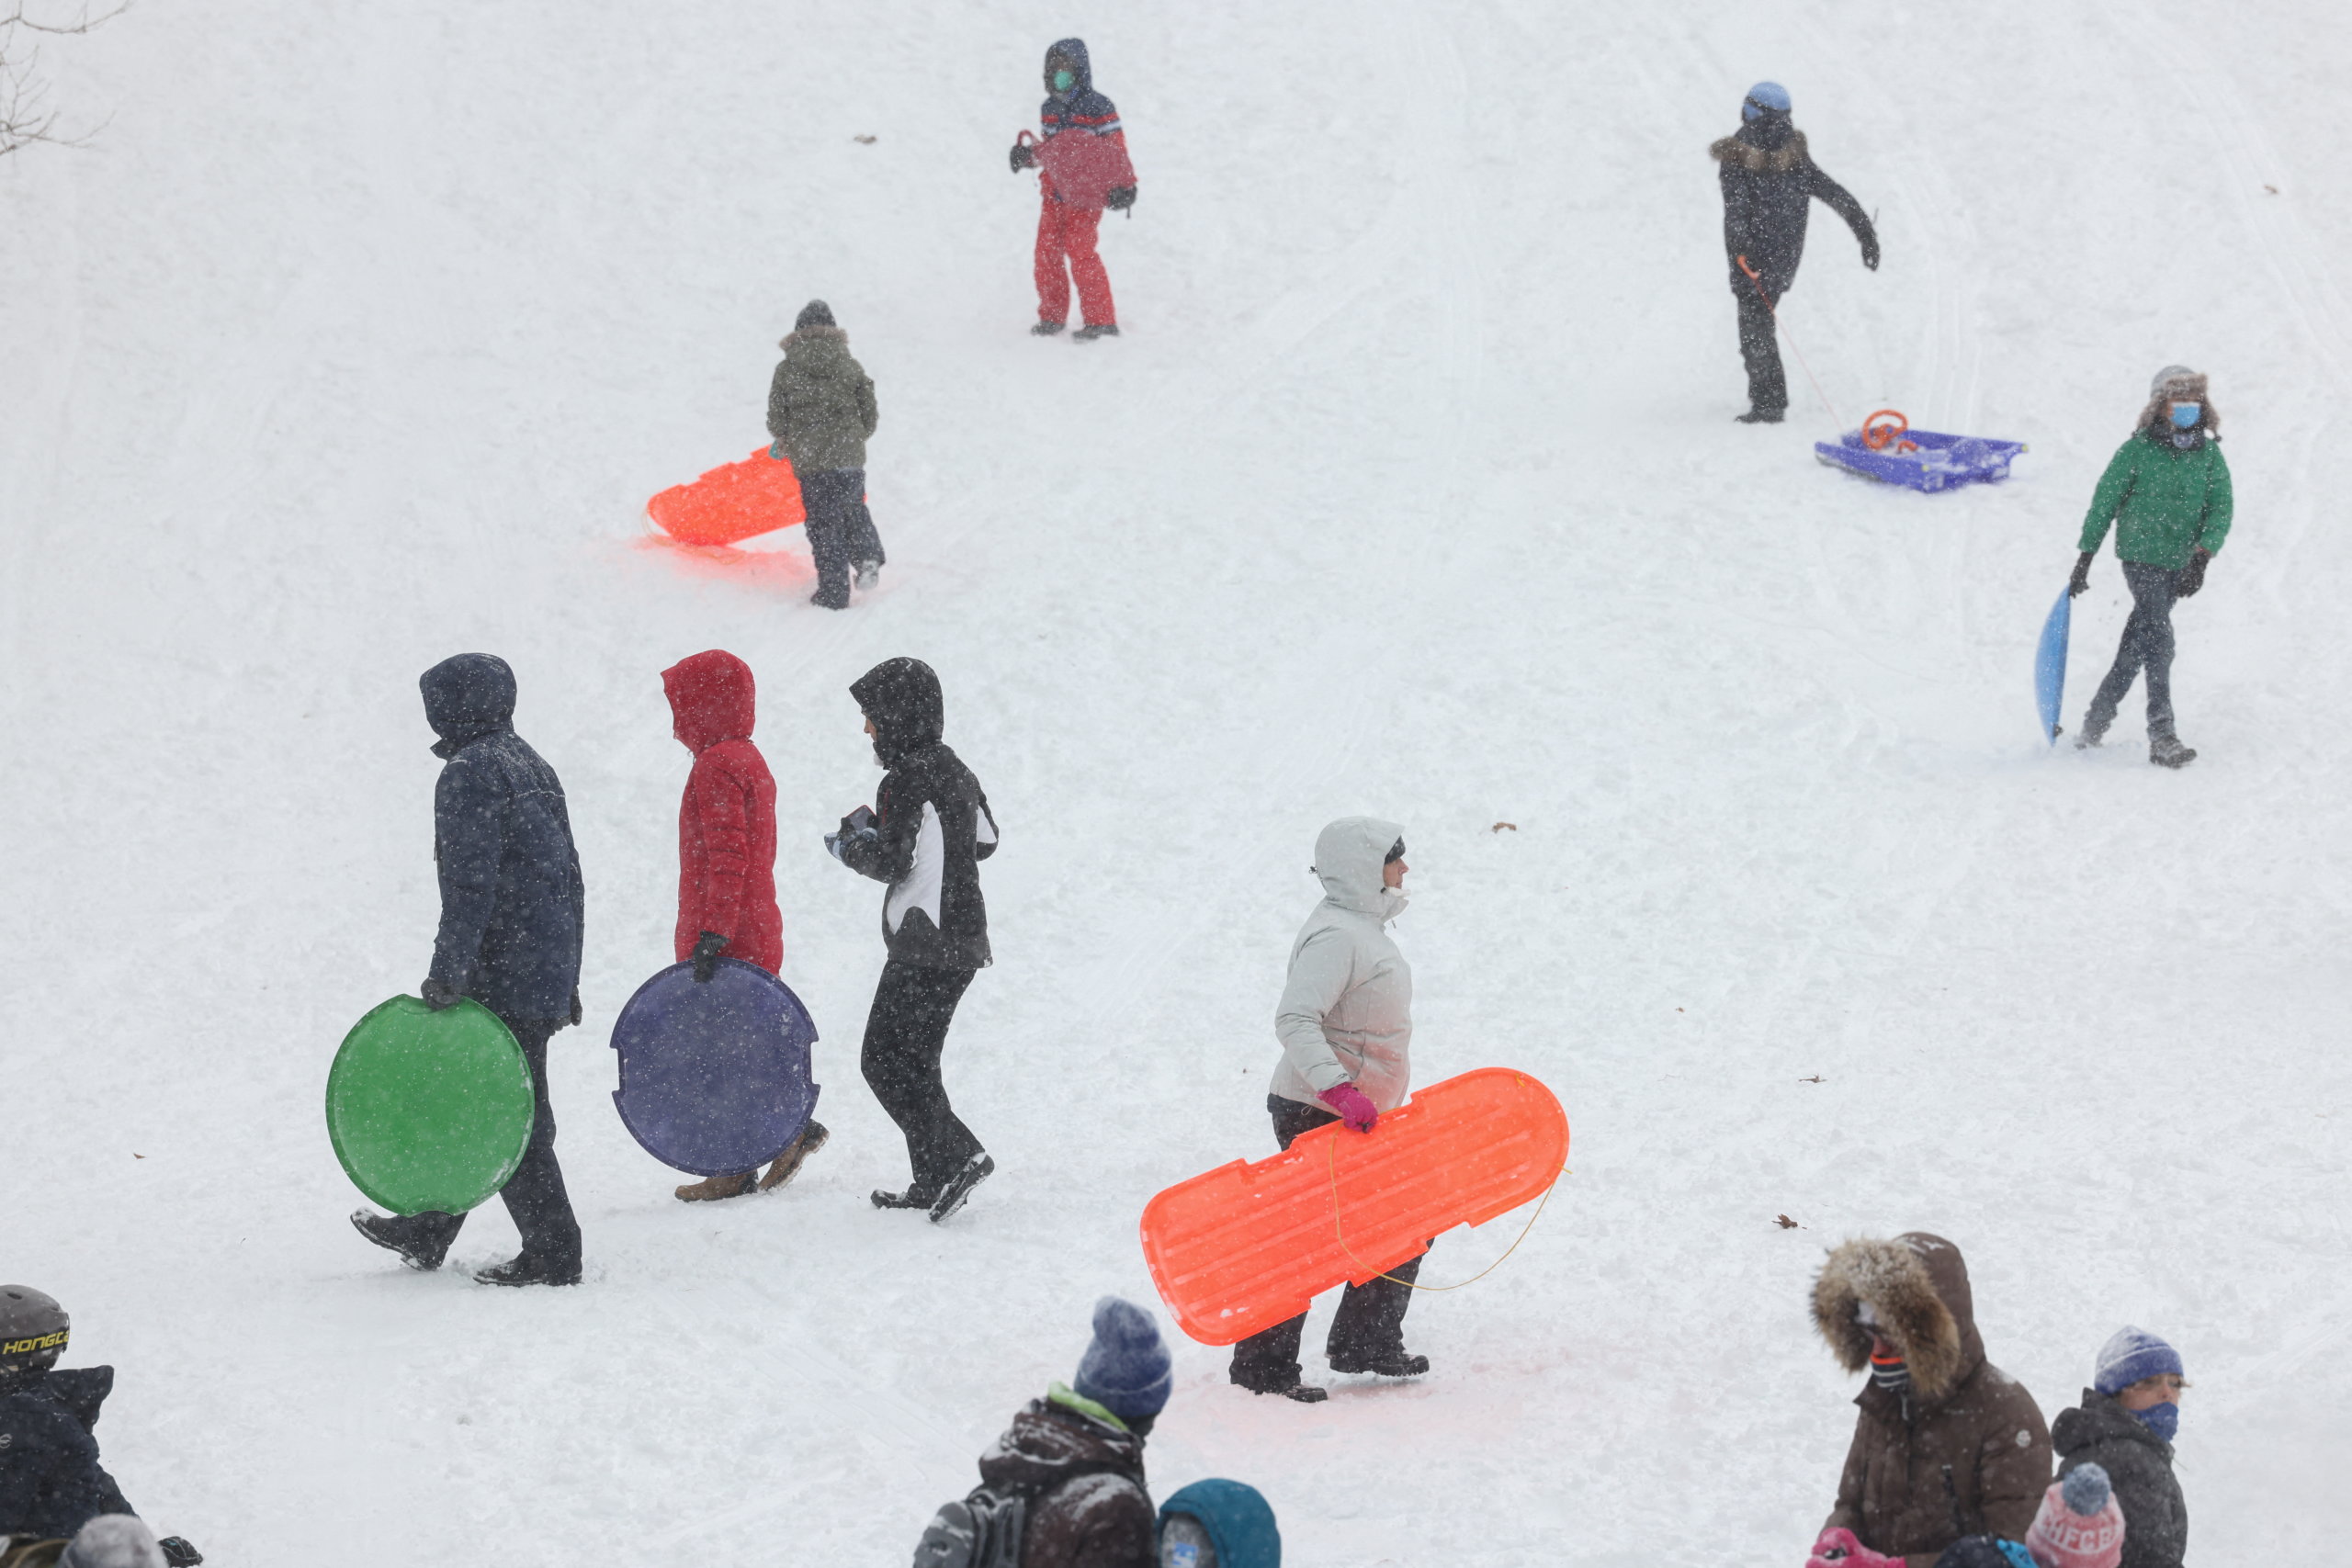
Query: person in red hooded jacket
x=726, y=858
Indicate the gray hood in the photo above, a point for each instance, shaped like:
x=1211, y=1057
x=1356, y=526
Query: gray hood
x=1349, y=855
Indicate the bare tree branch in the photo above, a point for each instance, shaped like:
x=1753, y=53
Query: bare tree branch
x=24, y=117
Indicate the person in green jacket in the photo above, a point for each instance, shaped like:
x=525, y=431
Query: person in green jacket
x=2167, y=493
x=821, y=410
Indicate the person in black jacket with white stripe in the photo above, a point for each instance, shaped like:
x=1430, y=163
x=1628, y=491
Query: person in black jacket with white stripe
x=926, y=836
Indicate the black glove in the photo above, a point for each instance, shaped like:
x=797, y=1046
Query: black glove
x=2192, y=576
x=1024, y=156
x=178, y=1553
x=437, y=995
x=1118, y=199
x=575, y=1005
x=2079, y=585
x=1870, y=253
x=705, y=956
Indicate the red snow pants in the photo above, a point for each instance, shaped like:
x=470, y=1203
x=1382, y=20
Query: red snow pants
x=1066, y=233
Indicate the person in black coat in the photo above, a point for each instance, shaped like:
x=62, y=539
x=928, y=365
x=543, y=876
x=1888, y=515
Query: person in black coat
x=1770, y=181
x=511, y=917
x=2125, y=1426
x=926, y=835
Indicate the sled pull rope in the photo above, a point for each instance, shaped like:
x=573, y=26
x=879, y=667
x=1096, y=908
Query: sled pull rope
x=1331, y=1150
x=1809, y=376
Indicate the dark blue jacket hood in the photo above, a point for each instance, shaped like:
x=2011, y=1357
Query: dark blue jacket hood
x=467, y=697
x=1081, y=105
x=1074, y=50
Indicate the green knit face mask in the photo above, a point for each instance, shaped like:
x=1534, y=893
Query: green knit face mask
x=1064, y=81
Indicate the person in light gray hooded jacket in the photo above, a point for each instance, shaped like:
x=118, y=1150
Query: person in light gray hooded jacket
x=1346, y=1025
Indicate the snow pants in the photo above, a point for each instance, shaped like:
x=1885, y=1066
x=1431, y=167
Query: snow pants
x=535, y=1194
x=905, y=1033
x=1760, y=348
x=1066, y=234
x=1371, y=1319
x=840, y=529
x=2147, y=645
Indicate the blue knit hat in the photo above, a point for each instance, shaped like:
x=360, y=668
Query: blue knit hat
x=1239, y=1522
x=1126, y=1370
x=1765, y=96
x=2134, y=1354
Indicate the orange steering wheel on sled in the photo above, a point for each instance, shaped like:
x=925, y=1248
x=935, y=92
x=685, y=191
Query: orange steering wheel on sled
x=1879, y=436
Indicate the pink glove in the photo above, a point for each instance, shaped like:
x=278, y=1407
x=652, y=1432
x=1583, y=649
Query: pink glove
x=1354, y=1109
x=1839, y=1549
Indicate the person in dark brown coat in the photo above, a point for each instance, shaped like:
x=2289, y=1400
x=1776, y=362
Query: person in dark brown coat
x=1948, y=1445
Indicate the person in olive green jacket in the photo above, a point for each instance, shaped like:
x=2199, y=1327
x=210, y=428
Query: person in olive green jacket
x=2167, y=493
x=821, y=410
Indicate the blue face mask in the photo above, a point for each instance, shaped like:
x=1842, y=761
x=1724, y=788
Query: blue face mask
x=2186, y=415
x=1064, y=81
x=2164, y=1419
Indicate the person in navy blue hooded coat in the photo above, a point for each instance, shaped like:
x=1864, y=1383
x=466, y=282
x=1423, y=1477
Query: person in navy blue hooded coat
x=512, y=906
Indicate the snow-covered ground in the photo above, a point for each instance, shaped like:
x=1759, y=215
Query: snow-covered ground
x=363, y=333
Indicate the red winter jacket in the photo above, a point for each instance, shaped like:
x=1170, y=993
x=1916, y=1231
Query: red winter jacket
x=727, y=821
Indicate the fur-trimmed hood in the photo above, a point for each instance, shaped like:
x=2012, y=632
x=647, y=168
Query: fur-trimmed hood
x=1789, y=154
x=1917, y=1286
x=811, y=335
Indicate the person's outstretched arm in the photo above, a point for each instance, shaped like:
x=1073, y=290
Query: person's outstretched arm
x=1841, y=201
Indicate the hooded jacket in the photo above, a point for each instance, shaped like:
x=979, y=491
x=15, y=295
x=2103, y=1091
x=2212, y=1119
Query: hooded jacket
x=1346, y=1014
x=1082, y=1470
x=1084, y=155
x=2139, y=1465
x=2165, y=502
x=932, y=823
x=727, y=818
x=512, y=902
x=820, y=402
x=51, y=1481
x=1964, y=1451
x=1770, y=181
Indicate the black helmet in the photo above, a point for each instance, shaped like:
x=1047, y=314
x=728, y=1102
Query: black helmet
x=33, y=1330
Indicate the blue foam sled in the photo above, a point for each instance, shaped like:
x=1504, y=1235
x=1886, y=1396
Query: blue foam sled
x=1941, y=462
x=715, y=1077
x=2050, y=664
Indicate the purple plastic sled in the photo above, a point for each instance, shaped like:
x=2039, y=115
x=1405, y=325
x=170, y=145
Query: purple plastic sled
x=715, y=1078
x=1942, y=462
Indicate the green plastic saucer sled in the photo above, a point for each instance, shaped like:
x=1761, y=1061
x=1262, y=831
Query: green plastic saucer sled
x=429, y=1110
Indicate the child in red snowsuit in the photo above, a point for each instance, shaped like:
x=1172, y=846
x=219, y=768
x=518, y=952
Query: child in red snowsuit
x=727, y=857
x=1083, y=169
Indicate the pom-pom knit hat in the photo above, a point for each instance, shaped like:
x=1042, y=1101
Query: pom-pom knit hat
x=1126, y=1370
x=2130, y=1355
x=2079, y=1524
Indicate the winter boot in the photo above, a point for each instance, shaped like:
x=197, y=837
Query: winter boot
x=396, y=1234
x=1762, y=417
x=1093, y=330
x=787, y=1164
x=977, y=1169
x=913, y=1198
x=869, y=572
x=525, y=1270
x=1045, y=329
x=822, y=603
x=2094, y=732
x=1304, y=1392
x=717, y=1187
x=1387, y=1364
x=2166, y=751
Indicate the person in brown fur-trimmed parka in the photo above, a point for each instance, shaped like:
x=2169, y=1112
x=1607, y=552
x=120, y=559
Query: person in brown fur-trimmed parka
x=1948, y=1445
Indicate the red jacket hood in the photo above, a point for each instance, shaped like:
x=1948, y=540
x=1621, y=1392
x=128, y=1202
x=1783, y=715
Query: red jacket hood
x=710, y=699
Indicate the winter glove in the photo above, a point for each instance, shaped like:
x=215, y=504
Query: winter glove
x=776, y=451
x=858, y=824
x=2080, y=582
x=1354, y=1109
x=437, y=995
x=178, y=1553
x=705, y=956
x=2192, y=576
x=575, y=1006
x=1024, y=156
x=1839, y=1549
x=1118, y=199
x=1870, y=253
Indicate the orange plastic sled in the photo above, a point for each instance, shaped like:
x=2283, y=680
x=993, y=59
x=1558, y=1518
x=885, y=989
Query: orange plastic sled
x=731, y=503
x=1246, y=1247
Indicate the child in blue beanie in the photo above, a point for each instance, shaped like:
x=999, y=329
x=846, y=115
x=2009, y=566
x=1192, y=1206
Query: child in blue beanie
x=2125, y=1426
